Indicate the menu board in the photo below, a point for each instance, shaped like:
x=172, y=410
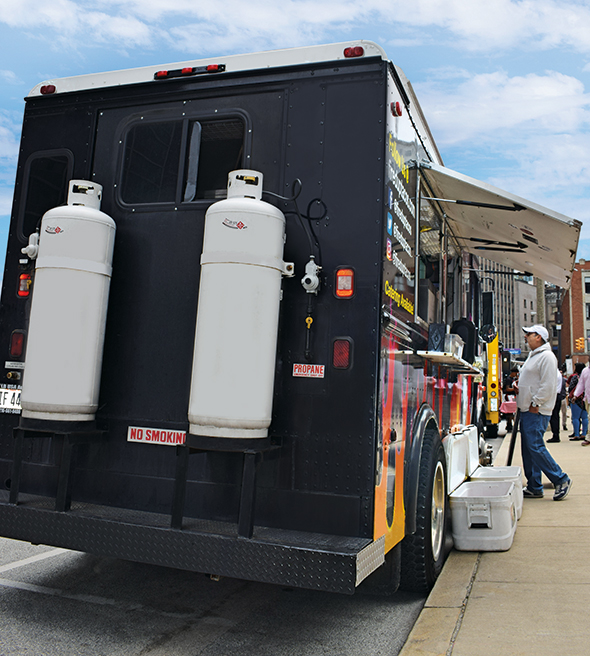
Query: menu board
x=400, y=223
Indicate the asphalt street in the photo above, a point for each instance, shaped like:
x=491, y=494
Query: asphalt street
x=55, y=602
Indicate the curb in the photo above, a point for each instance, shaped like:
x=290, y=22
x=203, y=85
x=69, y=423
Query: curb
x=440, y=621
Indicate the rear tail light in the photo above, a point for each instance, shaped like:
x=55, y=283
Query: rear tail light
x=344, y=283
x=17, y=344
x=354, y=51
x=341, y=353
x=24, y=285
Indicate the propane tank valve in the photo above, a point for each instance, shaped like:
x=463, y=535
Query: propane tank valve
x=311, y=280
x=32, y=248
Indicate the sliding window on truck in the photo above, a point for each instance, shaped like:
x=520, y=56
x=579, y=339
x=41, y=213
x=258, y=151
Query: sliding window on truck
x=179, y=161
x=46, y=178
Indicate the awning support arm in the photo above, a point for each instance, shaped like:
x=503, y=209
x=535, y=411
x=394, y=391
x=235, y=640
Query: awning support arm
x=509, y=208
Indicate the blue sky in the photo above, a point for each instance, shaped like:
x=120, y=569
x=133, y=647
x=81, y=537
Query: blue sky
x=501, y=82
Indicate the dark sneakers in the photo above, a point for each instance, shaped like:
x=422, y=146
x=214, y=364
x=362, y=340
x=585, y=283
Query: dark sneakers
x=562, y=489
x=529, y=494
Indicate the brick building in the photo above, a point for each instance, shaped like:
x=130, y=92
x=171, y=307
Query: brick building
x=575, y=310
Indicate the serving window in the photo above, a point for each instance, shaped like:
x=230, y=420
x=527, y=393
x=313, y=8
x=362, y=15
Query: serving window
x=430, y=255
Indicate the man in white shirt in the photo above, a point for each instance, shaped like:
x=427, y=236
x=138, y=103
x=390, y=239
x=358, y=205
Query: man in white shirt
x=537, y=390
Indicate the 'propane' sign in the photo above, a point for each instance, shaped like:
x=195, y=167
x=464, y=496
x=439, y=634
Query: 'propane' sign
x=156, y=436
x=308, y=370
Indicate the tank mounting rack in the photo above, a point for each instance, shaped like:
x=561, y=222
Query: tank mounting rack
x=70, y=440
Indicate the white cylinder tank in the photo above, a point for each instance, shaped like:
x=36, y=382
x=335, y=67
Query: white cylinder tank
x=68, y=310
x=238, y=313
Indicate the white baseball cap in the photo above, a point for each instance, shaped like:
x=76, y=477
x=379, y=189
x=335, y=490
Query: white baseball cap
x=540, y=330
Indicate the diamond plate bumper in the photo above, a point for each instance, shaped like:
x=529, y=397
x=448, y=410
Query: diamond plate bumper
x=307, y=560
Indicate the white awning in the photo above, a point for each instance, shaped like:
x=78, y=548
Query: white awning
x=499, y=226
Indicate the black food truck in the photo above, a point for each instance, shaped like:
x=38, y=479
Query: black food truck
x=232, y=305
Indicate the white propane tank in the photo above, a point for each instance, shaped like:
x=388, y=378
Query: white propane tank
x=68, y=309
x=238, y=313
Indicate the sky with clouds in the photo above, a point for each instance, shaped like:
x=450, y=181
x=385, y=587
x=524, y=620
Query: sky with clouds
x=501, y=82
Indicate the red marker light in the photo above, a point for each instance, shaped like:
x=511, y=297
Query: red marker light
x=344, y=283
x=47, y=89
x=354, y=51
x=17, y=344
x=396, y=108
x=189, y=70
x=341, y=353
x=24, y=285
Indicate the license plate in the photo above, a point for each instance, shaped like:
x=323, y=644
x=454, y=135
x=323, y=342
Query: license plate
x=10, y=400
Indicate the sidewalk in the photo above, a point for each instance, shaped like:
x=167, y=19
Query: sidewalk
x=529, y=601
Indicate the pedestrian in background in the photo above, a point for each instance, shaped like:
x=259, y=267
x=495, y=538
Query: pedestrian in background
x=509, y=395
x=537, y=390
x=565, y=402
x=561, y=394
x=577, y=406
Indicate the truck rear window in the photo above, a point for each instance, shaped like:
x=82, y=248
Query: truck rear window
x=178, y=161
x=46, y=184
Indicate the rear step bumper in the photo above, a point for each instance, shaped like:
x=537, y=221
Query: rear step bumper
x=307, y=560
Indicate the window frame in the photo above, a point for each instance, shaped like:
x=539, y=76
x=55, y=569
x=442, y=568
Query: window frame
x=41, y=154
x=187, y=120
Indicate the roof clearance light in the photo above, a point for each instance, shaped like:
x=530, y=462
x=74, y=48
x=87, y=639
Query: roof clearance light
x=47, y=89
x=354, y=51
x=396, y=108
x=341, y=353
x=344, y=283
x=189, y=70
x=24, y=285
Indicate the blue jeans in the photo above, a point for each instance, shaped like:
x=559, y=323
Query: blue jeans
x=535, y=456
x=577, y=414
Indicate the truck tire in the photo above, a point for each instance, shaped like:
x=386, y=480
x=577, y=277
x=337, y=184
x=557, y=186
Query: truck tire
x=424, y=552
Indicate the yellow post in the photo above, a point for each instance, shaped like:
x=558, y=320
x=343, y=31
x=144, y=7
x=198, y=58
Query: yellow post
x=493, y=382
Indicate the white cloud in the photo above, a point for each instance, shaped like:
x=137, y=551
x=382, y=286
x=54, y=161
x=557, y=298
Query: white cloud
x=76, y=23
x=493, y=105
x=479, y=25
x=530, y=133
x=9, y=77
x=486, y=25
x=9, y=139
x=5, y=201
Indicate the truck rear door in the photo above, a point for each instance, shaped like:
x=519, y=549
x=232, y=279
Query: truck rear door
x=161, y=166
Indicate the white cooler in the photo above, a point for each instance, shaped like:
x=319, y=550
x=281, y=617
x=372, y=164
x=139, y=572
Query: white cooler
x=483, y=515
x=510, y=474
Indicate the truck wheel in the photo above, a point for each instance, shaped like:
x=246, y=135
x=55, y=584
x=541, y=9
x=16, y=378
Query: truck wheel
x=424, y=552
